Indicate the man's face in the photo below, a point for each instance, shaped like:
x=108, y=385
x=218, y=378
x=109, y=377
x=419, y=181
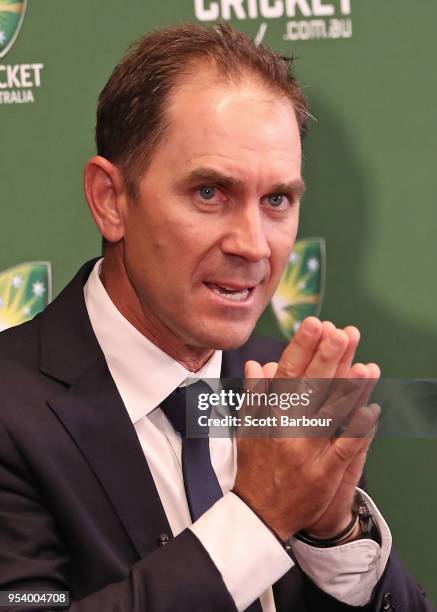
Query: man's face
x=217, y=214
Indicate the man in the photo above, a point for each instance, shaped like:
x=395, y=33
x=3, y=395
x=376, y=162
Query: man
x=196, y=191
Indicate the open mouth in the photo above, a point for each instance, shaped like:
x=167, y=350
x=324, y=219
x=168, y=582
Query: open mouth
x=231, y=294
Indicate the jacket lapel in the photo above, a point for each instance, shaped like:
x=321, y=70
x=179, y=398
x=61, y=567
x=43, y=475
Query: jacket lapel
x=94, y=414
x=92, y=411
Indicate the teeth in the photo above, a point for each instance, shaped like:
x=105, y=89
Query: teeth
x=235, y=296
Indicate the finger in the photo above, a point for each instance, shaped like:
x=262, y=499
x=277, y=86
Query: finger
x=346, y=361
x=370, y=370
x=345, y=397
x=374, y=370
x=327, y=328
x=358, y=370
x=347, y=446
x=269, y=369
x=328, y=355
x=366, y=377
x=253, y=369
x=355, y=469
x=344, y=365
x=299, y=353
x=253, y=374
x=363, y=423
x=322, y=369
x=254, y=383
x=366, y=442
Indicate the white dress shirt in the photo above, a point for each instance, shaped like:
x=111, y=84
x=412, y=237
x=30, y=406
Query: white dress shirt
x=244, y=550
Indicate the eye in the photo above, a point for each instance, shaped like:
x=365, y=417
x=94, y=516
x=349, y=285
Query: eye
x=210, y=197
x=278, y=200
x=207, y=192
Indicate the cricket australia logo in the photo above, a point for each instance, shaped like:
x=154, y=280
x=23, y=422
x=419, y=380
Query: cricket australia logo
x=11, y=19
x=18, y=82
x=25, y=290
x=300, y=291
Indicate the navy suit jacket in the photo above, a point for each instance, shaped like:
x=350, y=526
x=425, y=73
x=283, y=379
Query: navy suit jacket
x=79, y=510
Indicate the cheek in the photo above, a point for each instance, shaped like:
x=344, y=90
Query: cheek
x=174, y=250
x=152, y=233
x=282, y=246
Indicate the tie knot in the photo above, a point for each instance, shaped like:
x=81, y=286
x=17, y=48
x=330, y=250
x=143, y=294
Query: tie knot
x=182, y=403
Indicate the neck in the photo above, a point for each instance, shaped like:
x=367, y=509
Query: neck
x=123, y=295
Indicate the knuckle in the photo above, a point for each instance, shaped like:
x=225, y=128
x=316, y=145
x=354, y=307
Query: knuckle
x=324, y=355
x=344, y=452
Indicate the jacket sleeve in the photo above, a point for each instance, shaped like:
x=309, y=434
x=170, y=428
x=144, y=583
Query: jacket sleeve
x=395, y=590
x=179, y=576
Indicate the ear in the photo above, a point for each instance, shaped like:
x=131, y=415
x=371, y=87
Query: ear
x=106, y=196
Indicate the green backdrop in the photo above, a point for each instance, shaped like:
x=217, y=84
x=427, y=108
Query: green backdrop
x=368, y=68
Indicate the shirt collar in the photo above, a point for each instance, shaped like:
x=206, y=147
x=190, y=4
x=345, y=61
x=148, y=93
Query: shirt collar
x=143, y=373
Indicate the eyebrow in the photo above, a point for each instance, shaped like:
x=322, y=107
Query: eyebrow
x=295, y=188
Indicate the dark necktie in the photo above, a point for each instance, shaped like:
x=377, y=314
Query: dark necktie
x=201, y=484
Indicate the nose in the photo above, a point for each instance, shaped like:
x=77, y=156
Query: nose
x=246, y=235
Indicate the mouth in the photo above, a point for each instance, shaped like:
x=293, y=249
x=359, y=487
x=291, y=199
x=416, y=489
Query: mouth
x=235, y=294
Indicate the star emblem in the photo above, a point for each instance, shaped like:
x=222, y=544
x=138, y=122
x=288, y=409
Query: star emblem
x=313, y=264
x=38, y=288
x=294, y=257
x=17, y=281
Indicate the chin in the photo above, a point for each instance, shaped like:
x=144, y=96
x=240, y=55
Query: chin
x=226, y=338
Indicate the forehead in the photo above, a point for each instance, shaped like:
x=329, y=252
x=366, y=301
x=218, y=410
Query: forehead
x=241, y=127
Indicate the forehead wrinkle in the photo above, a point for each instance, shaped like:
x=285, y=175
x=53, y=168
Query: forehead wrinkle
x=235, y=160
x=240, y=165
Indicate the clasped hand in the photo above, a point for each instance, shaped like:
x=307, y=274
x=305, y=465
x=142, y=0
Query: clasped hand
x=296, y=483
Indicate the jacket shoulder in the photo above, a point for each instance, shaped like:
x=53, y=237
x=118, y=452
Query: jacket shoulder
x=19, y=345
x=23, y=387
